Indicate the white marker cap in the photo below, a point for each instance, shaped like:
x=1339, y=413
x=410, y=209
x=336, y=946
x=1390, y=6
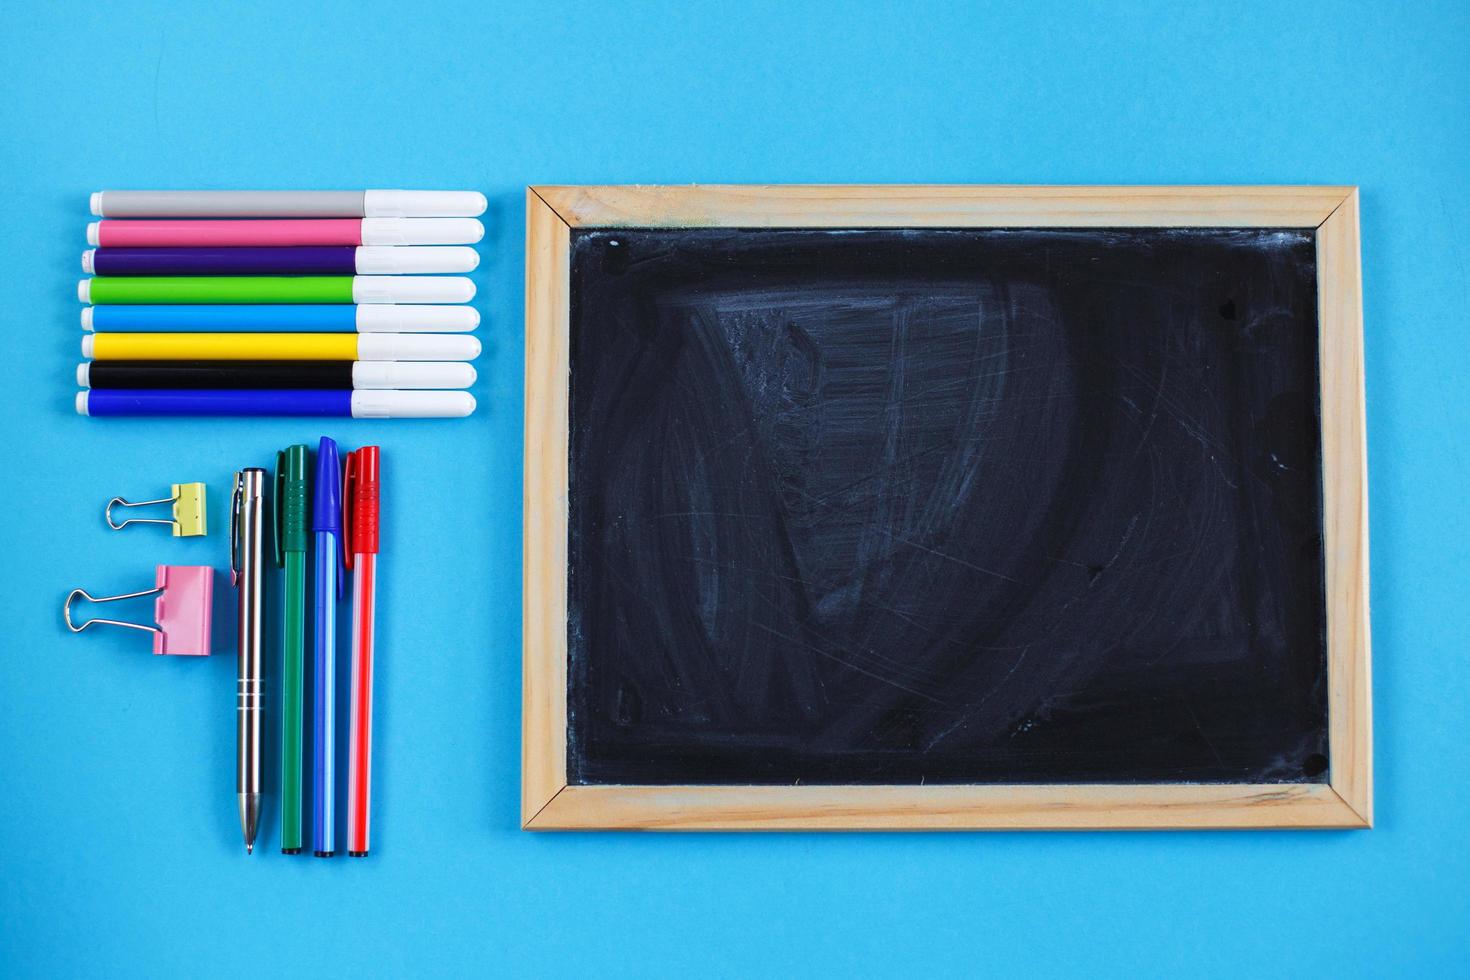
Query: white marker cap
x=94, y=233
x=87, y=344
x=416, y=347
x=412, y=404
x=96, y=203
x=388, y=318
x=422, y=204
x=84, y=374
x=84, y=290
x=420, y=231
x=87, y=317
x=412, y=289
x=87, y=260
x=394, y=260
x=82, y=402
x=411, y=374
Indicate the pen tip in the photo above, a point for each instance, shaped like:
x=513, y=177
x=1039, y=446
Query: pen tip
x=250, y=848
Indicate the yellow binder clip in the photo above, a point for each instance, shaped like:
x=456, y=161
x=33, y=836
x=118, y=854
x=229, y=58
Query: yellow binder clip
x=188, y=519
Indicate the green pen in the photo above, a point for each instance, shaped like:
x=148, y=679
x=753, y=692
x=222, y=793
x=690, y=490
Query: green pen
x=291, y=537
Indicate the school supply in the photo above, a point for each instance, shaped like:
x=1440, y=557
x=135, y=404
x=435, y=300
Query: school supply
x=276, y=289
x=181, y=610
x=279, y=347
x=290, y=539
x=361, y=318
x=360, y=516
x=305, y=260
x=286, y=231
x=357, y=404
x=188, y=519
x=326, y=524
x=288, y=204
x=246, y=566
x=276, y=374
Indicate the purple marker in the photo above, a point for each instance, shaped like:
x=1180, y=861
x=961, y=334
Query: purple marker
x=304, y=260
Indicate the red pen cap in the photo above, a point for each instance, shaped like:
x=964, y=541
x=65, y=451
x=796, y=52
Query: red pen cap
x=360, y=503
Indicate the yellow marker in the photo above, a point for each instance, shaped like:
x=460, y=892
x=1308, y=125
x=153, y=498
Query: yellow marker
x=279, y=347
x=221, y=346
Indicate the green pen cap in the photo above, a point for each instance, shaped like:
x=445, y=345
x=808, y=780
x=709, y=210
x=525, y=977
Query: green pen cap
x=292, y=528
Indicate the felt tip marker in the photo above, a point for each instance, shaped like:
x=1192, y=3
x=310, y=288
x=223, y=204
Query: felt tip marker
x=284, y=231
x=276, y=289
x=288, y=204
x=279, y=347
x=315, y=318
x=306, y=260
x=122, y=402
x=276, y=374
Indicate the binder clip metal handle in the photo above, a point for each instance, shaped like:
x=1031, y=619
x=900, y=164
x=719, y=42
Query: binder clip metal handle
x=183, y=609
x=188, y=510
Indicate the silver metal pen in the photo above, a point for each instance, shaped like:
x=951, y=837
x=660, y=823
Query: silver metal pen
x=247, y=525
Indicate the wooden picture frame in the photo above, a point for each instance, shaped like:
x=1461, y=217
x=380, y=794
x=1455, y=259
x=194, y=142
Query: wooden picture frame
x=548, y=802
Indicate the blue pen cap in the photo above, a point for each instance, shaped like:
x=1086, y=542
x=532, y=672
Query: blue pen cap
x=326, y=491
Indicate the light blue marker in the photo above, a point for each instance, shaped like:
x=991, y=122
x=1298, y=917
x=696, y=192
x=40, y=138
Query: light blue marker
x=311, y=318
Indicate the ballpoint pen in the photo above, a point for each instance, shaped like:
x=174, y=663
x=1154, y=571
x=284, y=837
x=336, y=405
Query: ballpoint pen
x=291, y=539
x=360, y=502
x=326, y=522
x=246, y=559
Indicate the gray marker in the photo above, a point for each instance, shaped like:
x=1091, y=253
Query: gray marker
x=288, y=204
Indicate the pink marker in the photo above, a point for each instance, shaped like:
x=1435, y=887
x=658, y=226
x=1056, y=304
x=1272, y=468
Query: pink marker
x=114, y=233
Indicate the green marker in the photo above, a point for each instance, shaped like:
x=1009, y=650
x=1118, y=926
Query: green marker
x=292, y=534
x=132, y=290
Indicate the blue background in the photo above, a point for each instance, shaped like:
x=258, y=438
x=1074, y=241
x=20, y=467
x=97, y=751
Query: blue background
x=119, y=843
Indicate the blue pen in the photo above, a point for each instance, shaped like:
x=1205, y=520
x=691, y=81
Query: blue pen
x=326, y=522
x=306, y=317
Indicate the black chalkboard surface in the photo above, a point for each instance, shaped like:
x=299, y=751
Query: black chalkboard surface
x=944, y=506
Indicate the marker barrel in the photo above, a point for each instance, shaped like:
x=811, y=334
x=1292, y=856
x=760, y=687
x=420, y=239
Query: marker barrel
x=288, y=204
x=303, y=402
x=113, y=233
x=313, y=260
x=390, y=375
x=369, y=318
x=279, y=347
x=276, y=289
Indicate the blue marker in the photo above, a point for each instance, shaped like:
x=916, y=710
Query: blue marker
x=304, y=317
x=326, y=522
x=362, y=403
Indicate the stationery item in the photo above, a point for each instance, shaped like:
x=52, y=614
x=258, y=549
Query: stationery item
x=326, y=523
x=275, y=374
x=276, y=289
x=188, y=519
x=360, y=500
x=288, y=204
x=362, y=318
x=286, y=231
x=308, y=260
x=361, y=404
x=246, y=567
x=181, y=611
x=279, y=347
x=291, y=537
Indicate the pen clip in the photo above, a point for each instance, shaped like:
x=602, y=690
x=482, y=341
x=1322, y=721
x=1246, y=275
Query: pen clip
x=349, y=485
x=235, y=496
x=279, y=509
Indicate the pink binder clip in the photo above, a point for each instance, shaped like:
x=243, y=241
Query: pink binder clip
x=182, y=609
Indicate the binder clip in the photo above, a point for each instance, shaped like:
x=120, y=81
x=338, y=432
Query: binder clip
x=182, y=610
x=188, y=519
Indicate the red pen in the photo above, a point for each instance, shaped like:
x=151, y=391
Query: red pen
x=360, y=547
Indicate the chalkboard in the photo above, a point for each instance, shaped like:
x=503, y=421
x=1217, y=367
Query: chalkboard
x=945, y=506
